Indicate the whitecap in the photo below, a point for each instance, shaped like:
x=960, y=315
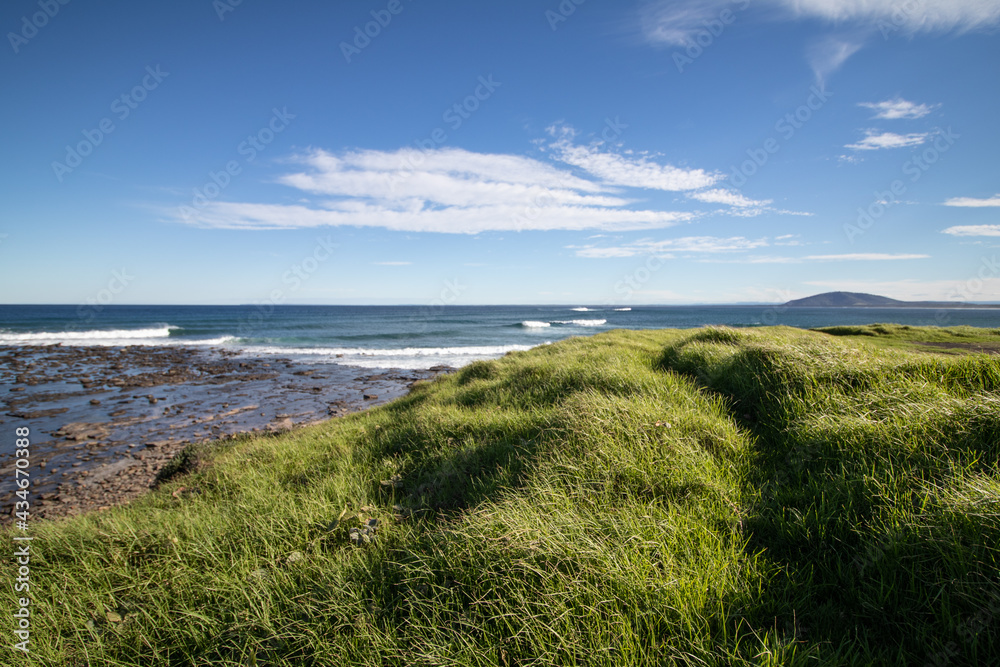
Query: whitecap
x=583, y=323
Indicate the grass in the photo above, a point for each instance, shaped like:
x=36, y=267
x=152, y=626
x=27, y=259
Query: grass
x=707, y=497
x=942, y=340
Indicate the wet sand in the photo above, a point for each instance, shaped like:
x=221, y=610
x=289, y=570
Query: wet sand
x=105, y=420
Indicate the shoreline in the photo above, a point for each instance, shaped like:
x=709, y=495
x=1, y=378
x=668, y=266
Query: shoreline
x=105, y=420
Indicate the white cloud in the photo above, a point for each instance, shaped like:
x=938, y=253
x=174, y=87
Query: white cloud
x=446, y=177
x=677, y=23
x=450, y=220
x=451, y=190
x=898, y=109
x=877, y=141
x=606, y=253
x=913, y=16
x=692, y=244
x=728, y=197
x=755, y=259
x=446, y=190
x=629, y=171
x=863, y=257
x=788, y=240
x=974, y=203
x=853, y=257
x=973, y=230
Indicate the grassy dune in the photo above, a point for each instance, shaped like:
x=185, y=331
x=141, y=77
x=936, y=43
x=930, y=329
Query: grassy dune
x=705, y=497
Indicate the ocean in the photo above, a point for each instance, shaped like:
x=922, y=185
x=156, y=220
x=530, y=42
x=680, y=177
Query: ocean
x=409, y=337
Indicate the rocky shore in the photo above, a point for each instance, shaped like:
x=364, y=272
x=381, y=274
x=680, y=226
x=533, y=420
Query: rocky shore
x=105, y=420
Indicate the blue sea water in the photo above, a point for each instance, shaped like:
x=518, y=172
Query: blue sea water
x=411, y=336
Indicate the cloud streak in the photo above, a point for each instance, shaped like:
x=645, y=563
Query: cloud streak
x=667, y=247
x=863, y=257
x=898, y=108
x=973, y=230
x=971, y=202
x=729, y=198
x=628, y=170
x=875, y=140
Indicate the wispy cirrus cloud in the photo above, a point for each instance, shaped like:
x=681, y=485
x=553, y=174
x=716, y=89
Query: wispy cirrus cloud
x=668, y=247
x=740, y=205
x=973, y=230
x=864, y=257
x=972, y=202
x=852, y=257
x=729, y=198
x=678, y=23
x=828, y=54
x=898, y=108
x=913, y=17
x=421, y=218
x=788, y=240
x=875, y=140
x=725, y=247
x=629, y=170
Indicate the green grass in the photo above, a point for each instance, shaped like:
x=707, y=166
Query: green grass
x=955, y=340
x=707, y=497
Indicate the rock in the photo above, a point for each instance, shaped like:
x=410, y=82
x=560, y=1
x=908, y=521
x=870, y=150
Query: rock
x=369, y=397
x=38, y=414
x=80, y=431
x=283, y=425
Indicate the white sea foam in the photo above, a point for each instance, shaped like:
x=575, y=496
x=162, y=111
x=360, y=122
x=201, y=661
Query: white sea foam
x=580, y=310
x=91, y=337
x=532, y=324
x=583, y=323
x=159, y=335
x=408, y=357
x=623, y=309
x=222, y=340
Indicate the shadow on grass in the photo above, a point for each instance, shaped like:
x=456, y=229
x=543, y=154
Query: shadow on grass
x=855, y=505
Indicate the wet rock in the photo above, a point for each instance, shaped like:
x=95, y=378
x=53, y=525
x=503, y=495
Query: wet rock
x=202, y=384
x=79, y=431
x=38, y=414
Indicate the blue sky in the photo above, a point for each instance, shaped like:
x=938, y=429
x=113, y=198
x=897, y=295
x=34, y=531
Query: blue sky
x=414, y=151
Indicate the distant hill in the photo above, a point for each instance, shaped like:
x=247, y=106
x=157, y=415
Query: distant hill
x=861, y=300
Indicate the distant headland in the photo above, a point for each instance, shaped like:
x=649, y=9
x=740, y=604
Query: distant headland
x=861, y=300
